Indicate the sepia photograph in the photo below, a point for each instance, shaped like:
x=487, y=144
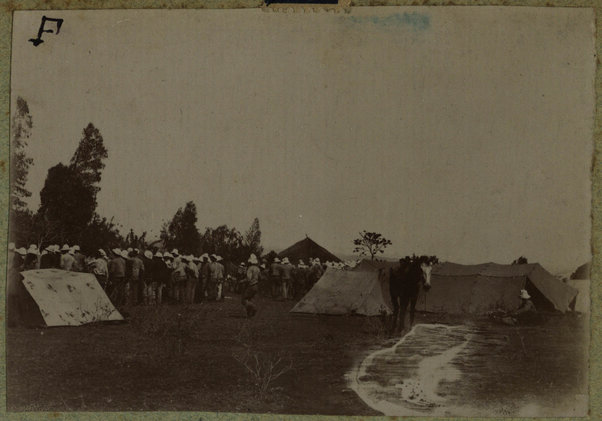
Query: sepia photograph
x=384, y=211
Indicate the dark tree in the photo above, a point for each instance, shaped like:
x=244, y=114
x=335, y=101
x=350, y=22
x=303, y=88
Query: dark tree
x=100, y=233
x=20, y=162
x=224, y=241
x=181, y=232
x=370, y=244
x=66, y=204
x=520, y=261
x=88, y=158
x=252, y=239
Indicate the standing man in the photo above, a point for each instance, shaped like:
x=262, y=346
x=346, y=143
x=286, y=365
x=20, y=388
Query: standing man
x=286, y=269
x=159, y=276
x=47, y=257
x=67, y=260
x=315, y=272
x=79, y=265
x=117, y=286
x=100, y=269
x=275, y=277
x=148, y=293
x=300, y=276
x=250, y=288
x=135, y=275
x=220, y=278
x=205, y=276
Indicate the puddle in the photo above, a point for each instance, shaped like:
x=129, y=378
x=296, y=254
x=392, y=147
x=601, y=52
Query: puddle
x=406, y=378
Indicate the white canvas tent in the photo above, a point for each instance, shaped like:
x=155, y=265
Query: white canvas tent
x=68, y=298
x=347, y=292
x=581, y=303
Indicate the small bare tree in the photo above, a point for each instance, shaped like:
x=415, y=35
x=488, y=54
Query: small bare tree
x=370, y=243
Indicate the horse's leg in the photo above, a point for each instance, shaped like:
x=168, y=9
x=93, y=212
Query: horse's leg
x=413, y=301
x=404, y=307
x=395, y=301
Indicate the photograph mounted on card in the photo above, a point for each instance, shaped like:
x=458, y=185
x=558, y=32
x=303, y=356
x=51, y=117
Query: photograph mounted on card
x=379, y=212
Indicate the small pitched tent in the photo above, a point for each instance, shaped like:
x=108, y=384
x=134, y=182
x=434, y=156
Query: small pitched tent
x=582, y=272
x=68, y=298
x=305, y=249
x=581, y=303
x=490, y=286
x=347, y=292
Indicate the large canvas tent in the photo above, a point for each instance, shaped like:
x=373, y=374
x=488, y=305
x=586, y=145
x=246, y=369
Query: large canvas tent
x=305, y=249
x=68, y=298
x=487, y=287
x=346, y=292
x=456, y=289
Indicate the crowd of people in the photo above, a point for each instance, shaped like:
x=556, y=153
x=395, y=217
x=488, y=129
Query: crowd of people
x=133, y=277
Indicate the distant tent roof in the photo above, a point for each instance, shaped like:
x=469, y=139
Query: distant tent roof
x=305, y=249
x=346, y=292
x=68, y=298
x=480, y=288
x=582, y=272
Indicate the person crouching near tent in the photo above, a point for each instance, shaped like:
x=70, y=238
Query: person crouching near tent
x=251, y=285
x=524, y=311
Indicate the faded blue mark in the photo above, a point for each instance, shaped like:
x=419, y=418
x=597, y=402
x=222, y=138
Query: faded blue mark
x=418, y=21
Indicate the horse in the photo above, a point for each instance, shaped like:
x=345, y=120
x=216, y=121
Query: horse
x=404, y=285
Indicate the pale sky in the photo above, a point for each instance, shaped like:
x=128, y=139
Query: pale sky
x=461, y=132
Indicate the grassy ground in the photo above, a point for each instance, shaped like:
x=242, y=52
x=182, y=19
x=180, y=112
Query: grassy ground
x=193, y=358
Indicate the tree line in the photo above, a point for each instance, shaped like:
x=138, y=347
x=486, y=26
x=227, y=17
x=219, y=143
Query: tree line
x=68, y=202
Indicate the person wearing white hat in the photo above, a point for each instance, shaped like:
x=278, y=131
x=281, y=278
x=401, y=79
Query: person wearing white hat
x=148, y=293
x=221, y=271
x=300, y=278
x=526, y=305
x=205, y=275
x=47, y=257
x=160, y=274
x=216, y=278
x=275, y=277
x=315, y=272
x=100, y=269
x=286, y=270
x=135, y=275
x=31, y=258
x=192, y=278
x=80, y=260
x=252, y=282
x=117, y=285
x=67, y=259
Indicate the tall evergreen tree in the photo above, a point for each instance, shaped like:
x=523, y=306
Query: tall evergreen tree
x=19, y=166
x=87, y=161
x=252, y=239
x=181, y=232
